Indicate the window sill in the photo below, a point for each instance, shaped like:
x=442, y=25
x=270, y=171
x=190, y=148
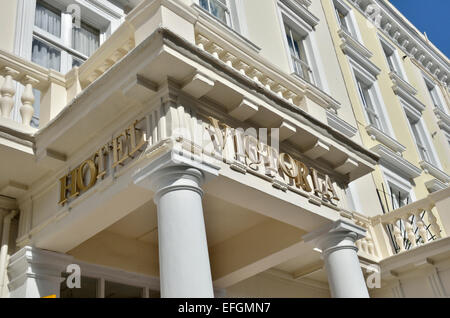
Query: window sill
x=434, y=171
x=225, y=27
x=388, y=141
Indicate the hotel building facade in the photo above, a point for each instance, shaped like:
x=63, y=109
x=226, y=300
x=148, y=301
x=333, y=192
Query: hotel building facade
x=222, y=148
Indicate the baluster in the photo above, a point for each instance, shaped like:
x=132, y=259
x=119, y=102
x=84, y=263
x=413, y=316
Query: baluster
x=201, y=41
x=433, y=223
x=409, y=232
x=27, y=110
x=421, y=226
x=398, y=236
x=8, y=91
x=229, y=58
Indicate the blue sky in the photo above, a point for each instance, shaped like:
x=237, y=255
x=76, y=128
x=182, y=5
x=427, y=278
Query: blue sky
x=430, y=16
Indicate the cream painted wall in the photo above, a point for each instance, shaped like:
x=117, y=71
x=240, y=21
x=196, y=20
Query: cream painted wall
x=333, y=72
x=267, y=35
x=7, y=24
x=267, y=285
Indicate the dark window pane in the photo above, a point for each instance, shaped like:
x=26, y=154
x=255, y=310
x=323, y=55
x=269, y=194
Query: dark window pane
x=116, y=290
x=88, y=289
x=48, y=18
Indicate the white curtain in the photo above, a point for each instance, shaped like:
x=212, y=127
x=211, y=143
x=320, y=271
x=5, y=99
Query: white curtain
x=85, y=39
x=46, y=55
x=48, y=19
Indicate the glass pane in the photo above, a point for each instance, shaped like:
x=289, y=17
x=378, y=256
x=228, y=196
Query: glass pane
x=88, y=289
x=48, y=18
x=85, y=39
x=218, y=10
x=435, y=98
x=46, y=55
x=76, y=62
x=204, y=4
x=116, y=290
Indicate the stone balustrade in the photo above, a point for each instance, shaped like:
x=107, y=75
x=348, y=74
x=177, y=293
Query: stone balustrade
x=416, y=224
x=292, y=91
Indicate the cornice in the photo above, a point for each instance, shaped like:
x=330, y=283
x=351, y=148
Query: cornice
x=443, y=120
x=435, y=185
x=357, y=52
x=399, y=30
x=434, y=171
x=388, y=141
x=409, y=99
x=401, y=83
x=340, y=125
x=300, y=7
x=395, y=162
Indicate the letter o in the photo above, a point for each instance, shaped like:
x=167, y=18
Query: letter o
x=290, y=172
x=92, y=174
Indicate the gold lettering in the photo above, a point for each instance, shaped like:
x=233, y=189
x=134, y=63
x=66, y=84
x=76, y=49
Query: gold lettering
x=142, y=141
x=292, y=170
x=101, y=162
x=315, y=182
x=92, y=175
x=302, y=180
x=71, y=187
x=269, y=156
x=329, y=189
x=119, y=156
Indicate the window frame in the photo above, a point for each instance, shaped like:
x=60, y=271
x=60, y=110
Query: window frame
x=391, y=56
x=304, y=29
x=349, y=17
x=236, y=20
x=415, y=118
x=392, y=179
x=92, y=11
x=359, y=74
x=432, y=86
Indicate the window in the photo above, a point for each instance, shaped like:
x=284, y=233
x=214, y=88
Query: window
x=88, y=288
x=57, y=42
x=298, y=55
x=399, y=197
x=345, y=19
x=369, y=107
x=434, y=94
x=423, y=147
x=392, y=58
x=217, y=8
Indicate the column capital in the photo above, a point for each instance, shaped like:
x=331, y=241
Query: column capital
x=175, y=170
x=336, y=235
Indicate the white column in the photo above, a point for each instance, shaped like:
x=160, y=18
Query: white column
x=337, y=243
x=36, y=273
x=183, y=250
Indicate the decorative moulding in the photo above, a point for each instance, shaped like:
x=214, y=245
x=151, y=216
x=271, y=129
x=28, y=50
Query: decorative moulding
x=340, y=125
x=357, y=52
x=400, y=82
x=388, y=141
x=405, y=36
x=393, y=161
x=301, y=9
x=443, y=120
x=434, y=171
x=408, y=98
x=435, y=185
